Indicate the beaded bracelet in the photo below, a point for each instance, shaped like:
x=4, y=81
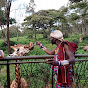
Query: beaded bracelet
x=64, y=62
x=42, y=46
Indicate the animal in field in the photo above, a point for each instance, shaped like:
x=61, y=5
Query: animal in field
x=20, y=50
x=85, y=48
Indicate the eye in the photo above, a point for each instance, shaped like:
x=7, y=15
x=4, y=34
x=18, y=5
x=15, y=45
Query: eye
x=17, y=49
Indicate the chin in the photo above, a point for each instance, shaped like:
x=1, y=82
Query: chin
x=53, y=43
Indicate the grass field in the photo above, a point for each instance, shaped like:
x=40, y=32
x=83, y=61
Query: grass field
x=36, y=51
x=45, y=42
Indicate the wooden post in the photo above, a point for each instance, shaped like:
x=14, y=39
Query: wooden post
x=8, y=75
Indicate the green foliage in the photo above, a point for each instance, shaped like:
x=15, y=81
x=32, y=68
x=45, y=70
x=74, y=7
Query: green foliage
x=0, y=34
x=30, y=36
x=4, y=44
x=38, y=72
x=76, y=41
x=74, y=16
x=75, y=1
x=44, y=35
x=82, y=5
x=85, y=37
x=13, y=31
x=66, y=35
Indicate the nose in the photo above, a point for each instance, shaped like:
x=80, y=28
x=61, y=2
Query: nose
x=51, y=38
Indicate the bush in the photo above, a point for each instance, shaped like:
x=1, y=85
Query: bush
x=85, y=37
x=66, y=35
x=44, y=35
x=75, y=41
x=30, y=36
x=4, y=44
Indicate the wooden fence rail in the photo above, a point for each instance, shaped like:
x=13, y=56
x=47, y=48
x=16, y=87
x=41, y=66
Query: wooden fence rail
x=10, y=60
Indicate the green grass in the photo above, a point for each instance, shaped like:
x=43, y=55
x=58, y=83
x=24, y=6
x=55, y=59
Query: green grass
x=45, y=42
x=37, y=50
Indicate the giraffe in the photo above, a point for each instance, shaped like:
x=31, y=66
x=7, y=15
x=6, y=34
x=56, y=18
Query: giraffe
x=20, y=50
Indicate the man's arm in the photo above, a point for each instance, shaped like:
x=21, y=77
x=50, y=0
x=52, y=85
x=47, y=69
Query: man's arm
x=71, y=59
x=69, y=54
x=49, y=52
x=45, y=49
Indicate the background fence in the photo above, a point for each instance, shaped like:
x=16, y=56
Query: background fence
x=38, y=74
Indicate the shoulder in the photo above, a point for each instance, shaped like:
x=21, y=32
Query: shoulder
x=65, y=45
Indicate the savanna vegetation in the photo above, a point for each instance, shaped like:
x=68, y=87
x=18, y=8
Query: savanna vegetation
x=72, y=20
x=36, y=71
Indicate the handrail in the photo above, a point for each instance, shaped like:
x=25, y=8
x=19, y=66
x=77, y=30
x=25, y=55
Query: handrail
x=7, y=59
x=37, y=57
x=27, y=57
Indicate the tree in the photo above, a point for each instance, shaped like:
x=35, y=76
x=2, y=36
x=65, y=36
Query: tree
x=14, y=31
x=8, y=13
x=31, y=7
x=80, y=9
x=7, y=5
x=2, y=3
x=75, y=1
x=41, y=19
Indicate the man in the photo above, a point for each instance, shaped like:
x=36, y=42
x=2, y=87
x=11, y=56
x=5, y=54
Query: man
x=1, y=54
x=63, y=59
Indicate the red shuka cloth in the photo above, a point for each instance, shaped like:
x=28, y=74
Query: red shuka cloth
x=64, y=75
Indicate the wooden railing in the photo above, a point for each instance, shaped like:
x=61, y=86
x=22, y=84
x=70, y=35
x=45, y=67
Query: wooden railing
x=37, y=59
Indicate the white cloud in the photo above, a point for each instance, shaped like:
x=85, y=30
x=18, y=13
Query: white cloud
x=19, y=6
x=50, y=4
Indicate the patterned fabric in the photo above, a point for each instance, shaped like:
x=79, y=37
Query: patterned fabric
x=63, y=74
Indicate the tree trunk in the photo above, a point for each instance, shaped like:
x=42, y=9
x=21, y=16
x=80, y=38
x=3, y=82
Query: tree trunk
x=8, y=13
x=83, y=26
x=2, y=35
x=34, y=31
x=49, y=30
x=2, y=32
x=17, y=36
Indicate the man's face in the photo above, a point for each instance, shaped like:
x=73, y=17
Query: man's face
x=53, y=40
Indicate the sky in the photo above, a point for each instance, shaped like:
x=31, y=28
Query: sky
x=19, y=6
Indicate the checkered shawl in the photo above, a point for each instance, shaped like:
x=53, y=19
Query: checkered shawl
x=64, y=73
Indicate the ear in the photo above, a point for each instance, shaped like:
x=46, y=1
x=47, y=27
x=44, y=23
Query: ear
x=30, y=44
x=13, y=47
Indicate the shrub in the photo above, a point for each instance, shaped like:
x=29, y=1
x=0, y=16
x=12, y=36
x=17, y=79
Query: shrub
x=30, y=36
x=44, y=35
x=85, y=37
x=75, y=41
x=66, y=35
x=4, y=44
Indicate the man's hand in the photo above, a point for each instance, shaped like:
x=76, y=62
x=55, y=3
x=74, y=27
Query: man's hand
x=37, y=43
x=57, y=63
x=52, y=61
x=1, y=54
